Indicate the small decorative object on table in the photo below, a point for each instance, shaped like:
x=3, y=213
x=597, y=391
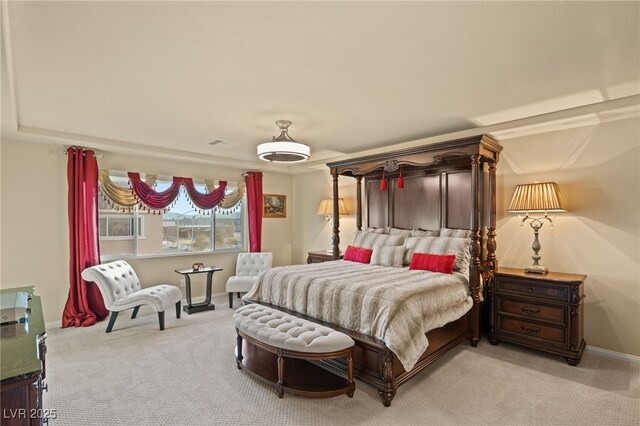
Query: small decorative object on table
x=197, y=266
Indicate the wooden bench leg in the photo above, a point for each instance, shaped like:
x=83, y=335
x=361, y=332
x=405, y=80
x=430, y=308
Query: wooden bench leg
x=178, y=308
x=239, y=355
x=352, y=385
x=161, y=320
x=112, y=320
x=280, y=385
x=135, y=312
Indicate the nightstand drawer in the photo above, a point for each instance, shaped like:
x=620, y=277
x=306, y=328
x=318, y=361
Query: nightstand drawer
x=533, y=329
x=533, y=289
x=532, y=310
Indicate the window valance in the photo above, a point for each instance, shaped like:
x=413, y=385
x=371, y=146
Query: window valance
x=142, y=193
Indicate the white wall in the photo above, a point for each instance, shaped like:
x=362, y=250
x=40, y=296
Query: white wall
x=598, y=171
x=35, y=249
x=312, y=231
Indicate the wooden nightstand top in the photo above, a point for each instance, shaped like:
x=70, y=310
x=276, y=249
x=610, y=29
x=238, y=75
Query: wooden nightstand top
x=551, y=276
x=317, y=256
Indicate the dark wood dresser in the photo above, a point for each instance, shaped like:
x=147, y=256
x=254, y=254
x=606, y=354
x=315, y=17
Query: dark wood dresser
x=318, y=256
x=539, y=311
x=22, y=360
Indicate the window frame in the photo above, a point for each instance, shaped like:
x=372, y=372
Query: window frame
x=136, y=220
x=244, y=222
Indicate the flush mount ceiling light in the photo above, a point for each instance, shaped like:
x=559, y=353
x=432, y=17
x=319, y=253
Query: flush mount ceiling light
x=283, y=149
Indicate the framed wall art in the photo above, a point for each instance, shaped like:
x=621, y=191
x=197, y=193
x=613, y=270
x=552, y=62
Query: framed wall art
x=274, y=205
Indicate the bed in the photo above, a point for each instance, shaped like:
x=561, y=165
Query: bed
x=448, y=185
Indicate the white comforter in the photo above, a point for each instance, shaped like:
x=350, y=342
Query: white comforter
x=396, y=305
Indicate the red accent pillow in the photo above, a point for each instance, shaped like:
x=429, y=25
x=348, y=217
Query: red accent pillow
x=433, y=262
x=358, y=254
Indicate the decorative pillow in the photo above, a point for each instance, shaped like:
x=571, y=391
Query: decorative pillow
x=440, y=245
x=387, y=256
x=455, y=233
x=425, y=233
x=369, y=239
x=358, y=254
x=433, y=262
x=400, y=231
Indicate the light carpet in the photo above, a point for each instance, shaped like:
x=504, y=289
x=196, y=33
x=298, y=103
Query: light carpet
x=186, y=375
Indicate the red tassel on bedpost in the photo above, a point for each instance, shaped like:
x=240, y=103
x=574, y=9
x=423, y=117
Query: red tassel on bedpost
x=383, y=184
x=400, y=182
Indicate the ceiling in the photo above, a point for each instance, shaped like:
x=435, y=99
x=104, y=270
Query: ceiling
x=167, y=78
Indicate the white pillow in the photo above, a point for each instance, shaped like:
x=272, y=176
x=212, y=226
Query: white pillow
x=440, y=245
x=425, y=233
x=455, y=233
x=387, y=256
x=369, y=239
x=400, y=231
x=378, y=230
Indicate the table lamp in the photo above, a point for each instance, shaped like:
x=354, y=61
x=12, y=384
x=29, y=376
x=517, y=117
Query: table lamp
x=326, y=209
x=541, y=198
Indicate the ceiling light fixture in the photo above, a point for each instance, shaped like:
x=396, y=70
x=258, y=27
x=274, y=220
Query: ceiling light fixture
x=283, y=149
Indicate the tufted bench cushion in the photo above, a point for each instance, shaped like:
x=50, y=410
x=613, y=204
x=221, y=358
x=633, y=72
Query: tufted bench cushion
x=285, y=331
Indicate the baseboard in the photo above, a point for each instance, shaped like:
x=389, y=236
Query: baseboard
x=632, y=359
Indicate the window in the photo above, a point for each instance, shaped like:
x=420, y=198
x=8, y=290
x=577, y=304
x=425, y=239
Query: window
x=181, y=230
x=119, y=226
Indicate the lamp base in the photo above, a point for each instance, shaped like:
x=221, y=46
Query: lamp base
x=536, y=269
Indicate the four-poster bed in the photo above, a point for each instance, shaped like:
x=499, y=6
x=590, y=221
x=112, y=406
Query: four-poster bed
x=446, y=185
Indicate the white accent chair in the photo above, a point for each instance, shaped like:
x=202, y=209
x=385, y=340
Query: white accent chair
x=121, y=290
x=248, y=267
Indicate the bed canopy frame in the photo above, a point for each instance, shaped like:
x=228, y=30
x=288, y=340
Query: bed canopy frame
x=450, y=184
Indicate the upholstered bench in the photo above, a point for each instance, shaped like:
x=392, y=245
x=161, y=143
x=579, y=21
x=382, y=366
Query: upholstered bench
x=273, y=336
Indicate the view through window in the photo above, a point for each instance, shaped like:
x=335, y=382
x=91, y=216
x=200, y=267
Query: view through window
x=183, y=229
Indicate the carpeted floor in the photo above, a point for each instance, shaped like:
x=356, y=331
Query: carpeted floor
x=186, y=375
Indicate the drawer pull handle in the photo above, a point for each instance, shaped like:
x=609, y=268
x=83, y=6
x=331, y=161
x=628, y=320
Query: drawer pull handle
x=530, y=289
x=529, y=330
x=529, y=311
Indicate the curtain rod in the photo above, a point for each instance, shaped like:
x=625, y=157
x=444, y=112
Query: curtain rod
x=64, y=152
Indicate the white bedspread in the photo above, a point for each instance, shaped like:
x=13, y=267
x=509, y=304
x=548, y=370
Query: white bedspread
x=396, y=305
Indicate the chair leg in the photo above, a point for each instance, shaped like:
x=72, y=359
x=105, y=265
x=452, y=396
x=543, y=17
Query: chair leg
x=178, y=308
x=231, y=300
x=112, y=320
x=161, y=320
x=135, y=312
x=238, y=293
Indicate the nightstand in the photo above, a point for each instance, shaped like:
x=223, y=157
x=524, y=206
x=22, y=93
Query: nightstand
x=539, y=311
x=318, y=256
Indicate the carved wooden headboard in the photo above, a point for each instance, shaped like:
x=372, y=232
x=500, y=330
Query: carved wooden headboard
x=449, y=184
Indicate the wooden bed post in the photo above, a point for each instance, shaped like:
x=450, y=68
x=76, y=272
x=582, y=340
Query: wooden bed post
x=359, y=203
x=474, y=266
x=336, y=217
x=491, y=260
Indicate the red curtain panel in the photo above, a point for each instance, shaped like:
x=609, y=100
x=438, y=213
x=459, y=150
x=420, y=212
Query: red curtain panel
x=84, y=304
x=253, y=181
